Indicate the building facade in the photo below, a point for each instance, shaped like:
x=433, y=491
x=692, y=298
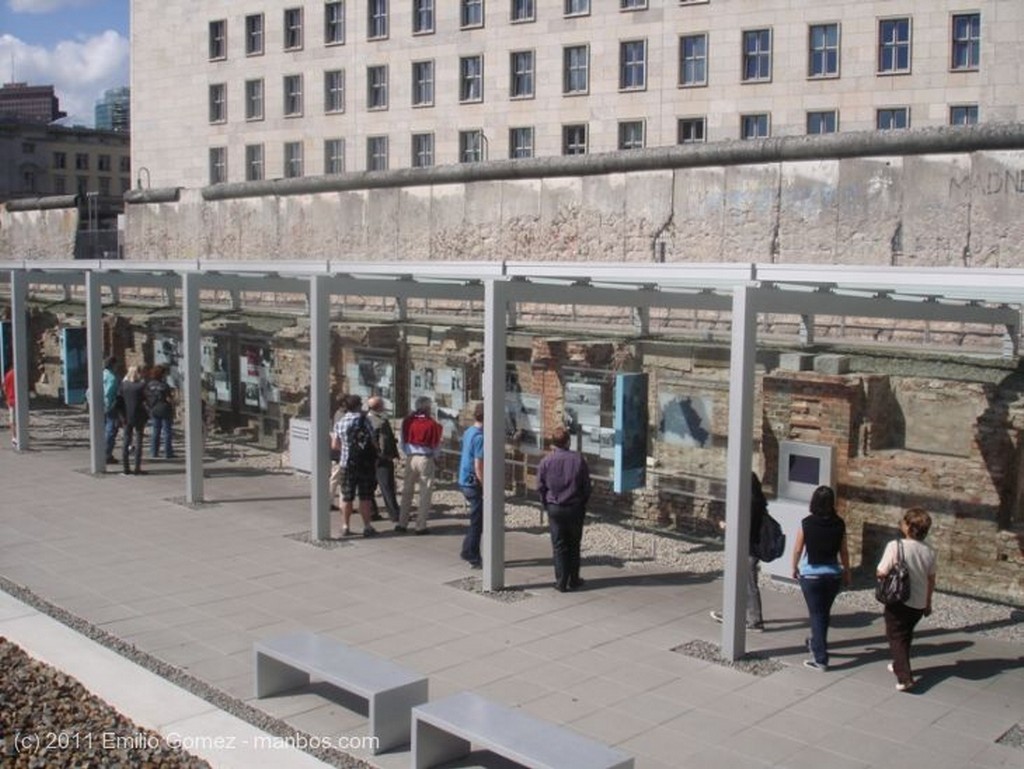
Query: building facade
x=40, y=160
x=280, y=88
x=113, y=111
x=31, y=103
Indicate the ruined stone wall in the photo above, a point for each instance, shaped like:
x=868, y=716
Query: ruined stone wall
x=932, y=210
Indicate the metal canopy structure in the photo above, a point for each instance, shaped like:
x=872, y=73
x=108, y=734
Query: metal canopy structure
x=745, y=290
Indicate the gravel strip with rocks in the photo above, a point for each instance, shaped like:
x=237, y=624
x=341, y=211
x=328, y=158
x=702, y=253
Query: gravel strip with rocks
x=49, y=719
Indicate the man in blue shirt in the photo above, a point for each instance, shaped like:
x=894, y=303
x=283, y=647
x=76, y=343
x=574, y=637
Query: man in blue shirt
x=112, y=415
x=563, y=482
x=471, y=479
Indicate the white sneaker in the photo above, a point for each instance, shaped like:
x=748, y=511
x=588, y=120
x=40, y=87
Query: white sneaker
x=890, y=668
x=717, y=616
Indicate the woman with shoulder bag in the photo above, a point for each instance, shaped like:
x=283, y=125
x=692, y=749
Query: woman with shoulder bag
x=901, y=618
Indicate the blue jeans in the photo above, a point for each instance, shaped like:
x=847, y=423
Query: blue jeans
x=111, y=424
x=471, y=543
x=819, y=594
x=161, y=425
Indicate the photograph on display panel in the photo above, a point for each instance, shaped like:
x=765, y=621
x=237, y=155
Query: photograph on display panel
x=685, y=419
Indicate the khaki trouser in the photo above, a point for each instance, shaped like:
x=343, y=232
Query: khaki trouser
x=418, y=467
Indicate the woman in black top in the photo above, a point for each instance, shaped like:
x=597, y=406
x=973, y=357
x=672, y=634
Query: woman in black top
x=822, y=564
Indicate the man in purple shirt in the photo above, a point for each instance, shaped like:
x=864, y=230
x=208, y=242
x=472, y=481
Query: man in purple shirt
x=563, y=481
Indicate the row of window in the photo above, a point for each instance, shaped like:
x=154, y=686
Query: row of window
x=823, y=62
x=893, y=43
x=103, y=162
x=60, y=185
x=471, y=16
x=473, y=143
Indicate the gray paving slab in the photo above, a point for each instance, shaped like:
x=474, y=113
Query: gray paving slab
x=196, y=587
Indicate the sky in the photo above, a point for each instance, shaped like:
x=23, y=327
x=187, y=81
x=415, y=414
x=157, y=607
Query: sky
x=78, y=46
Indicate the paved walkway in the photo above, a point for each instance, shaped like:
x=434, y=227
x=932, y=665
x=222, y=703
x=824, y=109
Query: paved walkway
x=196, y=587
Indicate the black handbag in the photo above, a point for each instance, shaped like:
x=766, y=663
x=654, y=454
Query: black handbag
x=894, y=587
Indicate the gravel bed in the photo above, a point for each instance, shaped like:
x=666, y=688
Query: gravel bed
x=755, y=663
x=476, y=585
x=49, y=719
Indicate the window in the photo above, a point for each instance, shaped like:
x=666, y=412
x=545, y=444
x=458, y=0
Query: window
x=632, y=5
x=523, y=10
x=690, y=130
x=60, y=160
x=577, y=7
x=334, y=23
x=422, y=150
x=126, y=184
x=963, y=114
x=103, y=163
x=334, y=90
x=82, y=183
x=422, y=17
x=292, y=29
x=81, y=161
x=376, y=153
x=693, y=60
x=757, y=55
x=104, y=186
x=28, y=148
x=254, y=34
x=292, y=95
x=254, y=100
x=893, y=46
x=60, y=185
x=253, y=162
x=966, y=41
x=471, y=78
x=631, y=135
x=471, y=146
x=472, y=13
x=821, y=122
x=292, y=160
x=574, y=139
x=520, y=143
x=378, y=19
x=576, y=69
x=334, y=156
x=754, y=126
x=218, y=103
x=892, y=118
x=823, y=50
x=632, y=65
x=422, y=83
x=218, y=39
x=218, y=165
x=377, y=87
x=521, y=71
x=125, y=164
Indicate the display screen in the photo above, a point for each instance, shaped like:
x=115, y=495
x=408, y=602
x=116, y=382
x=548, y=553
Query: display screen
x=804, y=469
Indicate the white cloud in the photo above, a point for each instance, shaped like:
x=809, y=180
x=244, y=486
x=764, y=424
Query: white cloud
x=46, y=6
x=80, y=70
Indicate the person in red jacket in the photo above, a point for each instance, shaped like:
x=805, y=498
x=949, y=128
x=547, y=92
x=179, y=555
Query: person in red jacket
x=421, y=443
x=9, y=397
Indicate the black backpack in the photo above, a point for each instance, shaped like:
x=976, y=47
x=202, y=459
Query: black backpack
x=386, y=441
x=362, y=449
x=772, y=541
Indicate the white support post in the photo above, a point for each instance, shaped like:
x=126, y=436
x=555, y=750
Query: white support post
x=401, y=309
x=94, y=356
x=738, y=468
x=806, y=330
x=20, y=330
x=320, y=404
x=496, y=304
x=642, y=321
x=193, y=391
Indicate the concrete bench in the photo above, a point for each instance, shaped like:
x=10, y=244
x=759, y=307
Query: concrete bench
x=287, y=662
x=444, y=730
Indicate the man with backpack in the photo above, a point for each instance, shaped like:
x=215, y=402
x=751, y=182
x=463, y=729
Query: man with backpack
x=358, y=452
x=388, y=446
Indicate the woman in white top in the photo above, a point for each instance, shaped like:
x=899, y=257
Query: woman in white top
x=901, y=618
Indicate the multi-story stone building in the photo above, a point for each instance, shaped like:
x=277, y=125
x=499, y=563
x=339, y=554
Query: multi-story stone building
x=39, y=160
x=280, y=88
